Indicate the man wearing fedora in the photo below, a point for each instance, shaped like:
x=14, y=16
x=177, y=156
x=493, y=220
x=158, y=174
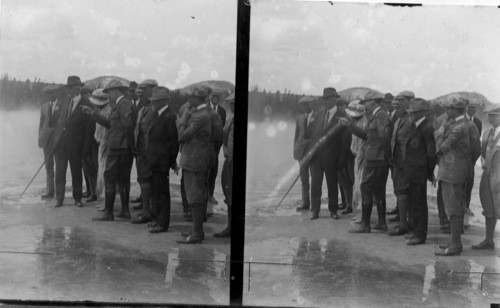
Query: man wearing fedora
x=419, y=167
x=377, y=159
x=72, y=136
x=120, y=150
x=145, y=89
x=489, y=187
x=304, y=128
x=453, y=150
x=215, y=98
x=330, y=157
x=401, y=132
x=48, y=120
x=194, y=131
x=162, y=150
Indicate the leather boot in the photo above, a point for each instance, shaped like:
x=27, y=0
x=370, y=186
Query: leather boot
x=364, y=226
x=381, y=225
x=124, y=197
x=196, y=236
x=226, y=232
x=107, y=214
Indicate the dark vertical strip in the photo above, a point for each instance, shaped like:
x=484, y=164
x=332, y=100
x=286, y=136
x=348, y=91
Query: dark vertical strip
x=240, y=153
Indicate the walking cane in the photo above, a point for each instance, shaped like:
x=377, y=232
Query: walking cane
x=310, y=154
x=31, y=180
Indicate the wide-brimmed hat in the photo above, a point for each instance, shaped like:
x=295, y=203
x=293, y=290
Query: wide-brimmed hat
x=115, y=84
x=74, y=81
x=306, y=99
x=403, y=96
x=51, y=88
x=355, y=109
x=99, y=98
x=493, y=110
x=418, y=104
x=148, y=83
x=329, y=92
x=160, y=93
x=388, y=97
x=230, y=98
x=457, y=101
x=371, y=96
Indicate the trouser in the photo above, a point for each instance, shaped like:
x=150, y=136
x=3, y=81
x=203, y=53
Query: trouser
x=227, y=180
x=469, y=184
x=402, y=192
x=213, y=170
x=489, y=195
x=160, y=195
x=346, y=182
x=49, y=167
x=453, y=197
x=318, y=168
x=197, y=197
x=306, y=187
x=418, y=204
x=90, y=165
x=373, y=182
x=118, y=168
x=62, y=156
x=358, y=171
x=440, y=202
x=144, y=177
x=185, y=204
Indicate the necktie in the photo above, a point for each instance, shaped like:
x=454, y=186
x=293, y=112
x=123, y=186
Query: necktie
x=51, y=109
x=491, y=137
x=70, y=108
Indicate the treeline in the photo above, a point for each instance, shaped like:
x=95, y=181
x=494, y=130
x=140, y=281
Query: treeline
x=16, y=94
x=264, y=105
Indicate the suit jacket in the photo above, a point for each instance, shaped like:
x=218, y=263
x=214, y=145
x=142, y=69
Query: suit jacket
x=475, y=142
x=121, y=124
x=48, y=122
x=229, y=139
x=145, y=120
x=75, y=126
x=478, y=124
x=378, y=139
x=217, y=137
x=163, y=144
x=489, y=188
x=420, y=151
x=453, y=150
x=194, y=130
x=332, y=152
x=303, y=135
x=222, y=113
x=401, y=133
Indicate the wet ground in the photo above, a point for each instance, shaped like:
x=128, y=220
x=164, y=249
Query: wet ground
x=293, y=261
x=49, y=253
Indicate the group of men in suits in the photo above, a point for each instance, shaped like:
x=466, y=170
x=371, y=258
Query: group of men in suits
x=398, y=139
x=140, y=124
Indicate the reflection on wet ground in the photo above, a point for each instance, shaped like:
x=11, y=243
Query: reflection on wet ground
x=333, y=273
x=61, y=254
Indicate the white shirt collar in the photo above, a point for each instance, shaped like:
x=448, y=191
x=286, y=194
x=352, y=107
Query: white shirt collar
x=392, y=113
x=202, y=106
x=54, y=103
x=460, y=117
x=419, y=121
x=332, y=110
x=162, y=109
x=309, y=115
x=213, y=106
x=76, y=100
x=497, y=131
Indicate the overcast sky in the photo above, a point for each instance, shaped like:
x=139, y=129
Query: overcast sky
x=431, y=50
x=175, y=42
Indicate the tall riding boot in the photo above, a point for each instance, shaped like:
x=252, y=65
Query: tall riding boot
x=226, y=232
x=366, y=213
x=381, y=225
x=196, y=235
x=107, y=214
x=124, y=197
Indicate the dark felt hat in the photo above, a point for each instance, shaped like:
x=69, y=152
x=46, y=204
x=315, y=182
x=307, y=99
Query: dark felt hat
x=457, y=101
x=85, y=90
x=388, y=97
x=74, y=81
x=132, y=86
x=160, y=93
x=330, y=92
x=418, y=104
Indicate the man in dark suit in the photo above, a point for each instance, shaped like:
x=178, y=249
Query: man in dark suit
x=120, y=151
x=163, y=147
x=72, y=138
x=419, y=167
x=329, y=158
x=377, y=161
x=304, y=128
x=194, y=131
x=471, y=111
x=48, y=120
x=215, y=97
